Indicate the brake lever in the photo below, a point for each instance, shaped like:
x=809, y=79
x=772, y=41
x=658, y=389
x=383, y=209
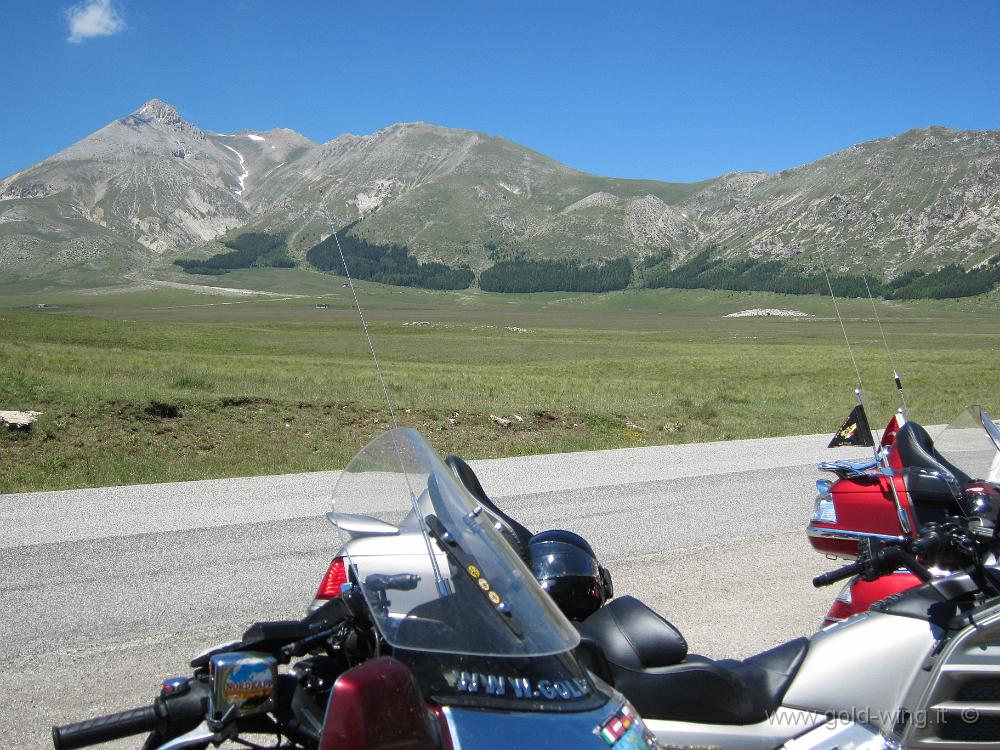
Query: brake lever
x=909, y=562
x=199, y=736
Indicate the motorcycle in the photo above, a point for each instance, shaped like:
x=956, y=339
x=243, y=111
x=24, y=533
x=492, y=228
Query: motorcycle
x=447, y=643
x=916, y=481
x=910, y=672
x=915, y=671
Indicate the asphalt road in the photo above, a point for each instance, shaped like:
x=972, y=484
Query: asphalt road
x=107, y=591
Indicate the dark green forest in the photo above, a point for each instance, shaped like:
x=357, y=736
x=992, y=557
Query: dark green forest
x=387, y=264
x=702, y=272
x=950, y=281
x=393, y=264
x=251, y=250
x=555, y=276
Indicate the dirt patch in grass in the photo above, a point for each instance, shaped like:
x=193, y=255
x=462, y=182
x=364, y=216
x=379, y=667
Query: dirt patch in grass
x=163, y=410
x=243, y=401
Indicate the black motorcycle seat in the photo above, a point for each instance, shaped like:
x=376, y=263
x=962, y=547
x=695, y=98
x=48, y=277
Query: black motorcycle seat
x=633, y=635
x=917, y=451
x=471, y=482
x=633, y=639
x=714, y=692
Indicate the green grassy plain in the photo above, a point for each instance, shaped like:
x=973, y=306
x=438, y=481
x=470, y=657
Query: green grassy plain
x=270, y=384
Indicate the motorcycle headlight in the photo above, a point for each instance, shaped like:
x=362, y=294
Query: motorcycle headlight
x=825, y=511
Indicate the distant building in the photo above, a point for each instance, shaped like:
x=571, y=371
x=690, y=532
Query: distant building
x=41, y=305
x=322, y=306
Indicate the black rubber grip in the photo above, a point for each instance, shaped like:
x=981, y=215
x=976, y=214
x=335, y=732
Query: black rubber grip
x=403, y=581
x=398, y=582
x=838, y=575
x=105, y=728
x=929, y=541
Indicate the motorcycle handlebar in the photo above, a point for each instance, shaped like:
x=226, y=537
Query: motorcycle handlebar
x=163, y=712
x=839, y=574
x=882, y=560
x=105, y=728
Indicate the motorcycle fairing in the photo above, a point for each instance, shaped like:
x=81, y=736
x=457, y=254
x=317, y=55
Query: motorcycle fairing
x=837, y=677
x=516, y=730
x=376, y=705
x=555, y=683
x=959, y=696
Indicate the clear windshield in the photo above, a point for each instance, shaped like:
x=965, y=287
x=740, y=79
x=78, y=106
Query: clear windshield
x=435, y=572
x=972, y=443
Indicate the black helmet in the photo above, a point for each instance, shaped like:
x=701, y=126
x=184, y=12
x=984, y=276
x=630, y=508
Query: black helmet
x=567, y=569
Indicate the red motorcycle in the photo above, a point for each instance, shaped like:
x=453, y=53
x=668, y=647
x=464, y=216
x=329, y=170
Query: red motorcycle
x=891, y=497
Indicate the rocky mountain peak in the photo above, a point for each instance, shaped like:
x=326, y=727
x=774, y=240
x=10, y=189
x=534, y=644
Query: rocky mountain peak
x=154, y=111
x=160, y=111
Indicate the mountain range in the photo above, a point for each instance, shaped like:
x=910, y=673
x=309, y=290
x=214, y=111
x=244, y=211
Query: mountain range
x=151, y=187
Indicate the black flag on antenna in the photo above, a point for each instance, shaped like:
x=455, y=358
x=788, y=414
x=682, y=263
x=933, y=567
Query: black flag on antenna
x=855, y=430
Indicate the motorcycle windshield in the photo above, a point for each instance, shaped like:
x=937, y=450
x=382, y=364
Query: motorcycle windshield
x=435, y=572
x=972, y=443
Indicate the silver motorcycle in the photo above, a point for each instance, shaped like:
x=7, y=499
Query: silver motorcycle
x=920, y=669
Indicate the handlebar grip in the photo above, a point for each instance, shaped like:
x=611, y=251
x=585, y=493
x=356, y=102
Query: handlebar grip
x=403, y=582
x=105, y=728
x=164, y=712
x=927, y=542
x=839, y=574
x=398, y=582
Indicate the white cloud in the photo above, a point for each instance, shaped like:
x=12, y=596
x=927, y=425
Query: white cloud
x=93, y=18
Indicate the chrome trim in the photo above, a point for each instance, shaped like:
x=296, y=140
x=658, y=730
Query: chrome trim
x=817, y=532
x=901, y=514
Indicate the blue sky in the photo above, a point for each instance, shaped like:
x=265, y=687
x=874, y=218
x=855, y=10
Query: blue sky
x=676, y=91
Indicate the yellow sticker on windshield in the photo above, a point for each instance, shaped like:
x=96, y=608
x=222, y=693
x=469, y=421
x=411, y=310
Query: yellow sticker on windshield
x=474, y=571
x=484, y=584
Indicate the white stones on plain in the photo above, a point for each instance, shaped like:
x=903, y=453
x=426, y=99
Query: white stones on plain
x=762, y=313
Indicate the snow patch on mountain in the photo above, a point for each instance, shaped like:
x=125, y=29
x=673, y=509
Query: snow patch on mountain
x=246, y=173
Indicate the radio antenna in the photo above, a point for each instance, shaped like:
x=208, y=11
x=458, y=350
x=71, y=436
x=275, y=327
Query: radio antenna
x=364, y=325
x=442, y=584
x=880, y=458
x=885, y=342
x=860, y=390
x=843, y=328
